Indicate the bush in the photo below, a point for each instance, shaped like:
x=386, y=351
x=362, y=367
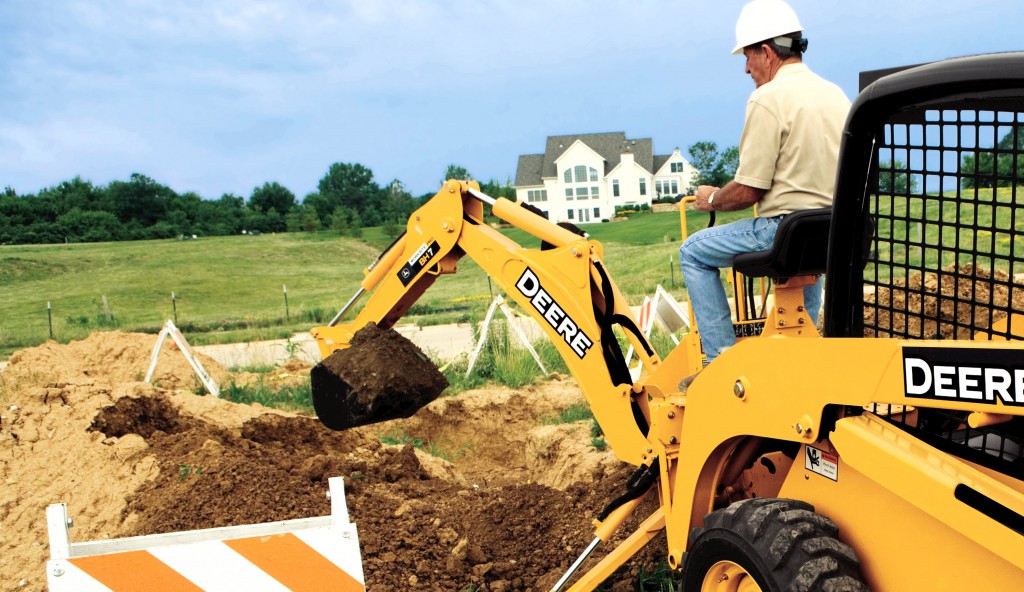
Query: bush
x=631, y=209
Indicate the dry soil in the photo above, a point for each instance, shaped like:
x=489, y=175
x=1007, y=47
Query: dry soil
x=510, y=511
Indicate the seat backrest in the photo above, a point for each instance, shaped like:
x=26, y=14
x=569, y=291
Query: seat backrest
x=800, y=248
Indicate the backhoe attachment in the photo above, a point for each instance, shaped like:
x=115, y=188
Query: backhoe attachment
x=380, y=376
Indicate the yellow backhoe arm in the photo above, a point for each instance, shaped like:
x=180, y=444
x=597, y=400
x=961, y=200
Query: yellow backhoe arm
x=565, y=288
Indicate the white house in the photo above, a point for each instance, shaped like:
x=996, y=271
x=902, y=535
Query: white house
x=583, y=177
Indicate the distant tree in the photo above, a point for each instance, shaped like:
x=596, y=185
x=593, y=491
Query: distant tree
x=140, y=202
x=728, y=163
x=703, y=156
x=15, y=218
x=352, y=186
x=495, y=188
x=269, y=222
x=272, y=196
x=293, y=219
x=713, y=167
x=221, y=217
x=398, y=203
x=993, y=167
x=341, y=220
x=892, y=180
x=72, y=194
x=356, y=230
x=392, y=228
x=302, y=219
x=457, y=172
x=183, y=213
x=89, y=226
x=321, y=204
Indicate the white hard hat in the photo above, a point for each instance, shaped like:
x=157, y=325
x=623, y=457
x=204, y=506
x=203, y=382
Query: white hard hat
x=761, y=20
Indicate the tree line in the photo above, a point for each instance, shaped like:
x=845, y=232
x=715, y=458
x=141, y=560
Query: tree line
x=347, y=200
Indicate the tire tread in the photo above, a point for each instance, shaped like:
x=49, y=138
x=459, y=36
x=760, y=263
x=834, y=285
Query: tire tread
x=798, y=546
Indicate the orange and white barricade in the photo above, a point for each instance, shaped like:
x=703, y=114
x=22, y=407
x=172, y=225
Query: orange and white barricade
x=290, y=555
x=662, y=309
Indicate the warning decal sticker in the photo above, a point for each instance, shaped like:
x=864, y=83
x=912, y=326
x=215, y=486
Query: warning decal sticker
x=821, y=462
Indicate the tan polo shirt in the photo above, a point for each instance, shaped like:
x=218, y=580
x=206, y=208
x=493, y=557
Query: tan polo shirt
x=790, y=141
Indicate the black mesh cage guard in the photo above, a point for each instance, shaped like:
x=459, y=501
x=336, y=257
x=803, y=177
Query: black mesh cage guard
x=927, y=238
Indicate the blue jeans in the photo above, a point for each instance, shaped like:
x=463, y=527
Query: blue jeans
x=707, y=251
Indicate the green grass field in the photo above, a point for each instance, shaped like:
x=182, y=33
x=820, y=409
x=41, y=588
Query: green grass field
x=230, y=288
x=917, y=232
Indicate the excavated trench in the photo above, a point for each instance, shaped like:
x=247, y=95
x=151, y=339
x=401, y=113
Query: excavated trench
x=510, y=509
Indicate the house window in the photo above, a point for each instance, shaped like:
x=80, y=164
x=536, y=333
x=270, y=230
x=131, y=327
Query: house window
x=568, y=175
x=675, y=188
x=568, y=193
x=677, y=167
x=535, y=195
x=615, y=187
x=657, y=187
x=593, y=174
x=581, y=193
x=643, y=186
x=593, y=193
x=597, y=213
x=584, y=215
x=570, y=214
x=581, y=173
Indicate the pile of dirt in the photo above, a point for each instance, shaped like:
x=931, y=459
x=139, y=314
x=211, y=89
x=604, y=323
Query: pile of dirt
x=951, y=304
x=510, y=509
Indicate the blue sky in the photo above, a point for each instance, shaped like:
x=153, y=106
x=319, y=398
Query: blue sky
x=221, y=96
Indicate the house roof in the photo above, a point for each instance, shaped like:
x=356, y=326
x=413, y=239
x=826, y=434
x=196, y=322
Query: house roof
x=659, y=161
x=528, y=170
x=532, y=168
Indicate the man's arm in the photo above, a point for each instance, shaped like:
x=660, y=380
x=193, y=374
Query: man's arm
x=734, y=196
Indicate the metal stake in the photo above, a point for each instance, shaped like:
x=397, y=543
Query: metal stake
x=285, y=288
x=49, y=317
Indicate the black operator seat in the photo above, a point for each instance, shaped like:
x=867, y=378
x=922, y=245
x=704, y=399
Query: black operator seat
x=800, y=248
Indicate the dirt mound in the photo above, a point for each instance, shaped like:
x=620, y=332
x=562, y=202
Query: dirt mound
x=500, y=423
x=508, y=508
x=950, y=304
x=112, y=358
x=142, y=416
x=209, y=476
x=51, y=396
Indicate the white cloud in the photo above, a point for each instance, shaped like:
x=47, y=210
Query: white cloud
x=212, y=89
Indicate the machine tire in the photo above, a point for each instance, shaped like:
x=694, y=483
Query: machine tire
x=781, y=543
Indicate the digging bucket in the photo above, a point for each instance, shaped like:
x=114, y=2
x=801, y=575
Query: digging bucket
x=380, y=376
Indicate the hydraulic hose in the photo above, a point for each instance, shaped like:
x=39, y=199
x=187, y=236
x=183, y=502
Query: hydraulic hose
x=638, y=484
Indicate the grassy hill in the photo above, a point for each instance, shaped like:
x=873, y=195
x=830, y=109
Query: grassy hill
x=231, y=288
